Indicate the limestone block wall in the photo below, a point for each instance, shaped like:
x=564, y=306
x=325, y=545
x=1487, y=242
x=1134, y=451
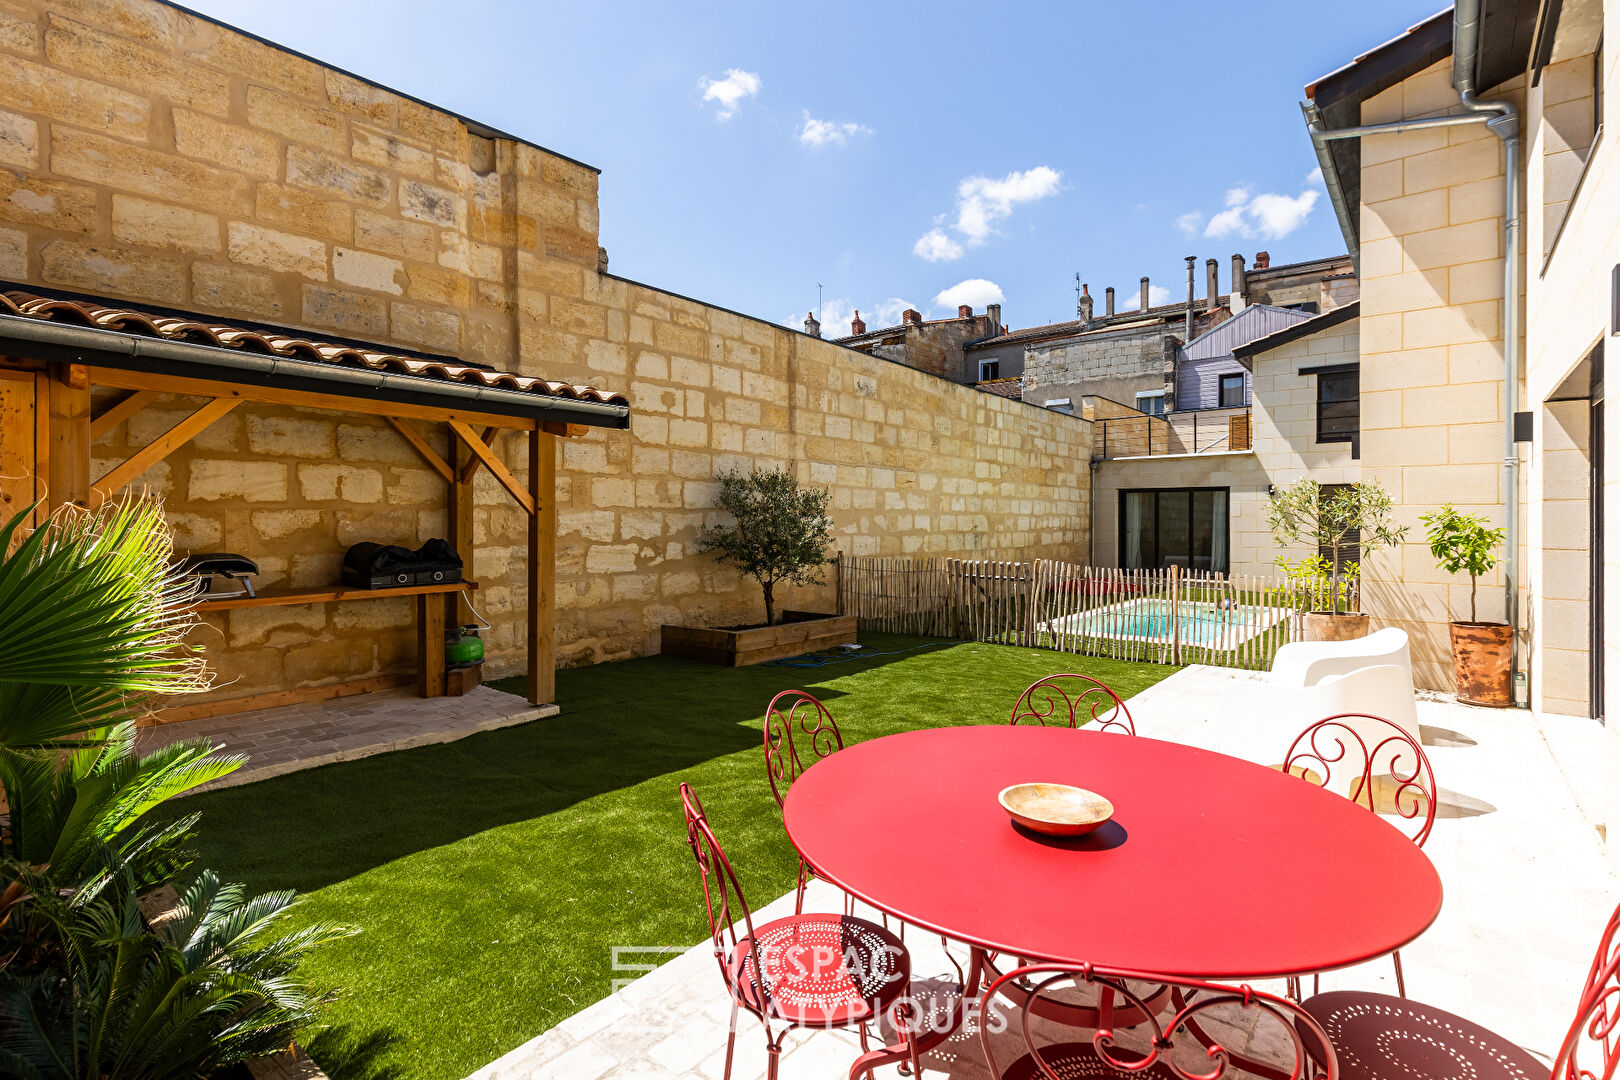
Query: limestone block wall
x=1432, y=398
x=156, y=157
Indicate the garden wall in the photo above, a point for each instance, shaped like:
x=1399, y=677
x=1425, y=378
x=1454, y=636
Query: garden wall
x=151, y=156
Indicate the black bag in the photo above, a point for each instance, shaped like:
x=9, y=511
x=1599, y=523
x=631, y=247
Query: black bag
x=388, y=566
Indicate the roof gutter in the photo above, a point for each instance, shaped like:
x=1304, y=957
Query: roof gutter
x=1503, y=121
x=181, y=359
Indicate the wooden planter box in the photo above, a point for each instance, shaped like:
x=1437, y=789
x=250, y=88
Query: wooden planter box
x=798, y=632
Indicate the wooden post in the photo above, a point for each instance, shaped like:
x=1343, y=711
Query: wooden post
x=1175, y=612
x=459, y=516
x=542, y=568
x=430, y=646
x=69, y=406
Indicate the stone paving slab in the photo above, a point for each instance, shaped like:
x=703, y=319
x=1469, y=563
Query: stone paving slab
x=1527, y=891
x=303, y=736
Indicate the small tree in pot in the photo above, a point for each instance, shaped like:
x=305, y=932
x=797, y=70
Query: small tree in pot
x=780, y=531
x=1304, y=513
x=1481, y=652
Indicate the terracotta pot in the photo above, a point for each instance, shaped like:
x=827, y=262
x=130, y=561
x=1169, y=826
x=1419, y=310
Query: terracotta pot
x=1482, y=654
x=1326, y=626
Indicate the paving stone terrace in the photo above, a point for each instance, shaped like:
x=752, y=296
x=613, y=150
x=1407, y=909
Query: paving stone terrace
x=302, y=736
x=1527, y=892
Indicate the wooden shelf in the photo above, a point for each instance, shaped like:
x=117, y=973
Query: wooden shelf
x=330, y=595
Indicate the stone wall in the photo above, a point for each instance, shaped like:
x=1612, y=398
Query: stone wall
x=1432, y=400
x=152, y=156
x=1113, y=364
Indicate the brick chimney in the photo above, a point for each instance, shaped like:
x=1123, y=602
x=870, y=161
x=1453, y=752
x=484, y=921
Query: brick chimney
x=1145, y=294
x=1108, y=301
x=856, y=326
x=964, y=311
x=811, y=327
x=1262, y=260
x=911, y=316
x=1086, y=302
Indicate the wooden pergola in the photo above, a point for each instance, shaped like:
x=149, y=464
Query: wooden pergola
x=55, y=350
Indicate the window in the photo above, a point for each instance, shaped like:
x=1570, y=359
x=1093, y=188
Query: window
x=1338, y=405
x=1062, y=405
x=1310, y=307
x=1184, y=527
x=989, y=369
x=1150, y=402
x=1232, y=391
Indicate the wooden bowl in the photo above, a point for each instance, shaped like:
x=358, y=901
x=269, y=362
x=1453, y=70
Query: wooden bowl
x=1055, y=809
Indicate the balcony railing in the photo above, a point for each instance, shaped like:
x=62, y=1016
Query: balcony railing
x=1200, y=432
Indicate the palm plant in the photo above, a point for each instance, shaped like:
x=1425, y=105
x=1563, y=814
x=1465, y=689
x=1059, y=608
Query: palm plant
x=109, y=1000
x=93, y=617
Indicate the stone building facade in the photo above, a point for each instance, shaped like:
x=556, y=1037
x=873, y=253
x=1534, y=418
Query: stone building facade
x=157, y=157
x=937, y=346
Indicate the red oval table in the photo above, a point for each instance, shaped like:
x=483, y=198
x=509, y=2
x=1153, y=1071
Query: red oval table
x=1212, y=867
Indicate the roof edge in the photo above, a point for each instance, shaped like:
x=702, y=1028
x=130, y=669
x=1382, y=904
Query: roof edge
x=1278, y=338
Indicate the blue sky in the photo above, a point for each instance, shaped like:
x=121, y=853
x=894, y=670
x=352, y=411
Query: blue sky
x=894, y=153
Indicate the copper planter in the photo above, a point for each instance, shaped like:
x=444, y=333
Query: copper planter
x=1482, y=654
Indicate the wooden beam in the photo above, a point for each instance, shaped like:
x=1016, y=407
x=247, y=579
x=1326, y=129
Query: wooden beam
x=42, y=446
x=213, y=388
x=69, y=408
x=495, y=465
x=275, y=699
x=542, y=569
x=470, y=469
x=18, y=479
x=115, y=414
x=567, y=431
x=147, y=456
x=429, y=455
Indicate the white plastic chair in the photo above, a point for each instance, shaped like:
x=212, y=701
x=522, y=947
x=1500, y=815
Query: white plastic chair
x=1267, y=716
x=1305, y=663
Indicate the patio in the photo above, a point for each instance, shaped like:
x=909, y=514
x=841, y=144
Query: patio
x=1527, y=892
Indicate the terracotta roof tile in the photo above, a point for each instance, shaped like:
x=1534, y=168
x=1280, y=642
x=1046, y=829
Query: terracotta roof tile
x=199, y=332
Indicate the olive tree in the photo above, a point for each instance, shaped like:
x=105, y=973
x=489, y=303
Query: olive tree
x=1306, y=513
x=779, y=531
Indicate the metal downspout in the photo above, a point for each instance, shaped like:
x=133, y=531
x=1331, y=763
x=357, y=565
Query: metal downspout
x=1503, y=120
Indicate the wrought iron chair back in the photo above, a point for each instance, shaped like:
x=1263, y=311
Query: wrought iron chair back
x=1313, y=1056
x=1073, y=700
x=1597, y=1018
x=723, y=899
x=1351, y=752
x=784, y=760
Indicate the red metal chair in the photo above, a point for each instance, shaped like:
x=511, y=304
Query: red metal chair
x=1378, y=1037
x=810, y=971
x=1373, y=762
x=1073, y=700
x=783, y=762
x=1161, y=1049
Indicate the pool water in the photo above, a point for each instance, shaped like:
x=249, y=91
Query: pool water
x=1199, y=624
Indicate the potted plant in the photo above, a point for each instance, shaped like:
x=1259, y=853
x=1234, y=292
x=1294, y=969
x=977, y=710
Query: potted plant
x=1329, y=520
x=779, y=533
x=1481, y=652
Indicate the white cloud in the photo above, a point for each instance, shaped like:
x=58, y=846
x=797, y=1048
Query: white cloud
x=936, y=246
x=1157, y=294
x=730, y=92
x=975, y=292
x=1190, y=222
x=981, y=203
x=1314, y=176
x=1269, y=215
x=819, y=133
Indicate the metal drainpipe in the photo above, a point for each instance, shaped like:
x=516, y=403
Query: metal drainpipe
x=1503, y=121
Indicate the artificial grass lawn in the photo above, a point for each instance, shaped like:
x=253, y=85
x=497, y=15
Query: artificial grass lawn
x=491, y=877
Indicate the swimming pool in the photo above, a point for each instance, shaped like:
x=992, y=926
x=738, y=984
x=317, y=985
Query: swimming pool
x=1204, y=624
